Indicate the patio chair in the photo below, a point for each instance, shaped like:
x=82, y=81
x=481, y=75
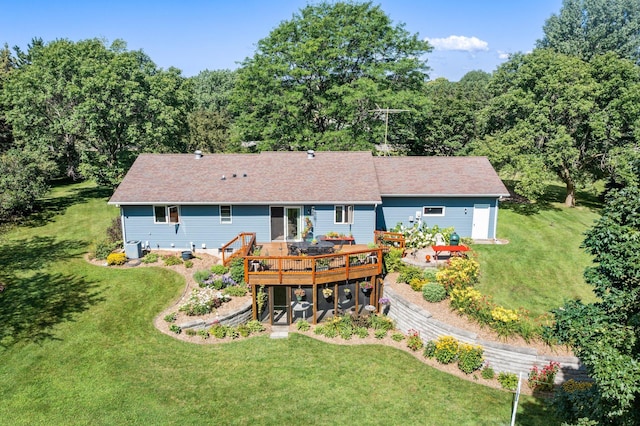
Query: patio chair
x=440, y=240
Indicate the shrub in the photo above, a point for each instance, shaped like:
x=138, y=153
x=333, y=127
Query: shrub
x=414, y=342
x=446, y=349
x=243, y=330
x=116, y=259
x=542, y=379
x=397, y=337
x=303, y=325
x=103, y=249
x=417, y=283
x=508, y=381
x=232, y=332
x=362, y=332
x=319, y=330
x=409, y=273
x=330, y=332
x=393, y=260
x=429, y=274
x=219, y=331
x=380, y=333
x=487, y=372
x=235, y=290
x=255, y=326
x=150, y=258
x=469, y=358
x=429, y=349
x=171, y=260
x=380, y=322
x=190, y=332
x=175, y=329
x=203, y=301
x=188, y=263
x=471, y=302
x=236, y=271
x=219, y=269
x=345, y=332
x=218, y=283
x=201, y=276
x=114, y=231
x=461, y=273
x=203, y=333
x=433, y=292
x=171, y=317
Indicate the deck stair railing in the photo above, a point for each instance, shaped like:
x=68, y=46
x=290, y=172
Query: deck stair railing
x=389, y=239
x=240, y=246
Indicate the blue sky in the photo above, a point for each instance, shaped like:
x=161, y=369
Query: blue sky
x=198, y=35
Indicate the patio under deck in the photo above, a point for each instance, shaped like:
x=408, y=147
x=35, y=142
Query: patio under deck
x=341, y=275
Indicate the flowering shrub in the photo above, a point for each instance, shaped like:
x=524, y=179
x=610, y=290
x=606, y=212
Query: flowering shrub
x=429, y=349
x=417, y=283
x=461, y=272
x=446, y=349
x=409, y=273
x=414, y=342
x=203, y=301
x=505, y=321
x=543, y=379
x=420, y=235
x=116, y=259
x=469, y=357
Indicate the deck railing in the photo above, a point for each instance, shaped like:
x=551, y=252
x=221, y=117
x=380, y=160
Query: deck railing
x=389, y=239
x=311, y=270
x=241, y=246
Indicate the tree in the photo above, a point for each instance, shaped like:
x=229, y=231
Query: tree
x=7, y=64
x=606, y=335
x=314, y=81
x=446, y=125
x=21, y=184
x=555, y=115
x=210, y=121
x=90, y=108
x=586, y=28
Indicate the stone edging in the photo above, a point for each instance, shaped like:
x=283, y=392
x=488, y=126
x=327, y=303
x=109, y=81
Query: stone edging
x=240, y=316
x=502, y=357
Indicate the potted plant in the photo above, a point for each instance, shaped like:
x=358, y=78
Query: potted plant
x=347, y=293
x=327, y=293
x=322, y=264
x=366, y=286
x=300, y=293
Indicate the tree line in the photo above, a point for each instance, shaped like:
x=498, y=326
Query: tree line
x=326, y=80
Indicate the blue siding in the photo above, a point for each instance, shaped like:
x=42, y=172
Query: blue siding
x=201, y=225
x=364, y=219
x=396, y=210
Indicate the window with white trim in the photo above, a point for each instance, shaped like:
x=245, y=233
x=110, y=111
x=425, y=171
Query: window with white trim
x=225, y=214
x=166, y=214
x=344, y=214
x=433, y=211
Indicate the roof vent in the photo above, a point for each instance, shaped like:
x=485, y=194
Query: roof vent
x=311, y=154
x=198, y=154
x=223, y=177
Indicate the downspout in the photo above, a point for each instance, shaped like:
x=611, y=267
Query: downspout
x=124, y=237
x=495, y=220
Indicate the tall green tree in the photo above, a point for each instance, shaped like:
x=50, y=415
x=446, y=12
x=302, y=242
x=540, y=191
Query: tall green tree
x=314, y=81
x=586, y=28
x=90, y=109
x=446, y=125
x=557, y=116
x=7, y=64
x=210, y=120
x=606, y=334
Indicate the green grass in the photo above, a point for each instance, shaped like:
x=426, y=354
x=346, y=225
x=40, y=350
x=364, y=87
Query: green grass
x=79, y=347
x=543, y=263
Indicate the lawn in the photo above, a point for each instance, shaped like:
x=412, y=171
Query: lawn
x=79, y=347
x=543, y=263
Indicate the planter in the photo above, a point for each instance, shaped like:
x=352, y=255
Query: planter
x=186, y=255
x=299, y=298
x=366, y=290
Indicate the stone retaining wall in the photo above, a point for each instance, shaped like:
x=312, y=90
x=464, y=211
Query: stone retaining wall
x=502, y=357
x=241, y=316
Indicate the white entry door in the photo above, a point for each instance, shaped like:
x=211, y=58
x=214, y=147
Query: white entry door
x=480, y=230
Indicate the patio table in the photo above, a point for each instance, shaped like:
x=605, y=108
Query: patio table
x=451, y=249
x=321, y=247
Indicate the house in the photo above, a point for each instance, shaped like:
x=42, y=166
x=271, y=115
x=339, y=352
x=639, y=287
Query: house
x=185, y=201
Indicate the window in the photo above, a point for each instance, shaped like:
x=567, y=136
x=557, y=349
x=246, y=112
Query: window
x=225, y=214
x=344, y=214
x=433, y=211
x=164, y=214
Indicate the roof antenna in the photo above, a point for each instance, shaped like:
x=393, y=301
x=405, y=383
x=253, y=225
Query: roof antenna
x=386, y=112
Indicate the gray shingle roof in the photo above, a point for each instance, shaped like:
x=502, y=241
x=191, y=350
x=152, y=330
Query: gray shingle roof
x=291, y=178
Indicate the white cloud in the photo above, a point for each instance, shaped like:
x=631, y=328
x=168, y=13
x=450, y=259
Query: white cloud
x=466, y=44
x=503, y=55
